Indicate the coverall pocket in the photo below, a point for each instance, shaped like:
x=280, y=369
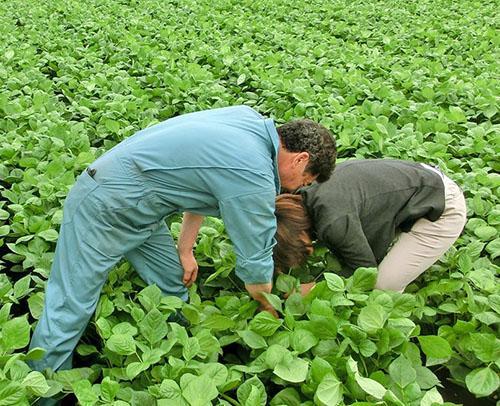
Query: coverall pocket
x=77, y=195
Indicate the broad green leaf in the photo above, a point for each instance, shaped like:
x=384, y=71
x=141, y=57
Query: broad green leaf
x=191, y=349
x=16, y=333
x=109, y=389
x=252, y=339
x=245, y=391
x=288, y=396
x=431, y=398
x=218, y=373
x=334, y=282
x=49, y=235
x=150, y=297
x=320, y=368
x=402, y=372
x=425, y=377
x=218, y=322
x=12, y=393
x=435, y=347
x=372, y=318
x=199, y=391
x=170, y=389
x=83, y=391
x=36, y=383
x=153, y=326
x=370, y=386
x=482, y=381
x=485, y=346
x=363, y=280
x=124, y=328
x=329, y=392
x=303, y=340
x=123, y=344
x=292, y=370
x=135, y=368
x=265, y=324
x=275, y=301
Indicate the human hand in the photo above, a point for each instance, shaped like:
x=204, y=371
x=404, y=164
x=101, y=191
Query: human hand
x=190, y=267
x=305, y=288
x=256, y=290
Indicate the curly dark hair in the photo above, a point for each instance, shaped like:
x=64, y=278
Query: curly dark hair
x=292, y=221
x=318, y=141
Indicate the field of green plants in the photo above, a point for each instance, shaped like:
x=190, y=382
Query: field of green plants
x=406, y=79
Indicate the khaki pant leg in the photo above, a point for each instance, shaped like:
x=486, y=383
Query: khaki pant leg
x=416, y=250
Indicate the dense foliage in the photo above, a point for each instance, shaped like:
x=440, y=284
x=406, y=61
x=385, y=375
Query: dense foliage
x=411, y=80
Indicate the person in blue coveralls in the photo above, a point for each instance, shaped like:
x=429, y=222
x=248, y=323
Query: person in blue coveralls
x=229, y=162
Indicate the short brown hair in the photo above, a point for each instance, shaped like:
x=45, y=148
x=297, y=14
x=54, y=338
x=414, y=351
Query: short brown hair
x=292, y=221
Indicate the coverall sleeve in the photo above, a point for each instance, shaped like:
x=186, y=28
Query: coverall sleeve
x=251, y=225
x=345, y=238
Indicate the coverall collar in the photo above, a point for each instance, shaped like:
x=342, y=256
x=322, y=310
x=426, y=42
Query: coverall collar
x=273, y=135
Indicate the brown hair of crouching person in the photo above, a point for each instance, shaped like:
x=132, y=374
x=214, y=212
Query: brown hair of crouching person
x=293, y=241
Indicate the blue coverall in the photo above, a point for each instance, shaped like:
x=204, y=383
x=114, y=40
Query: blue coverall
x=214, y=162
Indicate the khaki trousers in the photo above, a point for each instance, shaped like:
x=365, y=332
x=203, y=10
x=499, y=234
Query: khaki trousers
x=415, y=251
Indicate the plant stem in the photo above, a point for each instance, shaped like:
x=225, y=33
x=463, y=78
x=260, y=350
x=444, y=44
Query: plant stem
x=229, y=399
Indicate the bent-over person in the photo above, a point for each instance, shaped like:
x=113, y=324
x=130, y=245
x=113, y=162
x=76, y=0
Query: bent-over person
x=399, y=216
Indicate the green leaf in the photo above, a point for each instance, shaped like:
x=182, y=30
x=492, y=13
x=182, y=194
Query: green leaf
x=83, y=391
x=288, y=396
x=35, y=304
x=109, y=389
x=402, y=372
x=252, y=339
x=135, y=368
x=370, y=386
x=303, y=340
x=482, y=381
x=153, y=326
x=320, y=368
x=191, y=349
x=199, y=391
x=274, y=300
x=16, y=333
x=493, y=248
x=372, y=318
x=49, y=235
x=292, y=369
x=218, y=322
x=36, y=383
x=170, y=390
x=425, y=377
x=218, y=373
x=431, y=398
x=334, y=282
x=124, y=328
x=435, y=347
x=123, y=344
x=12, y=393
x=329, y=392
x=265, y=324
x=485, y=346
x=486, y=233
x=150, y=297
x=363, y=280
x=244, y=392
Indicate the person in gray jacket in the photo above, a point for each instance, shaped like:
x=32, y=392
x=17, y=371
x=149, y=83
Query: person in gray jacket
x=399, y=216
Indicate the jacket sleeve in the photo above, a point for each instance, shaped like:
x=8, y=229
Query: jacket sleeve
x=251, y=225
x=345, y=238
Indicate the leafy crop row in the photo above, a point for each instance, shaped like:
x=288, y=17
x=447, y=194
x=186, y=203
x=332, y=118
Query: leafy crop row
x=410, y=80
